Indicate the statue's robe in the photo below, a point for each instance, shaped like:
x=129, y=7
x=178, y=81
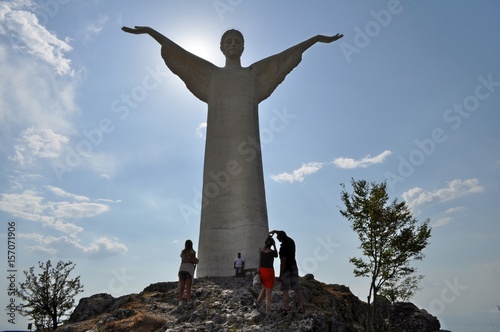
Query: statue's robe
x=234, y=212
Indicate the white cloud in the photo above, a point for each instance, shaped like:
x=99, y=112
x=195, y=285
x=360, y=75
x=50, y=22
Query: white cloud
x=313, y=167
x=441, y=222
x=105, y=246
x=107, y=200
x=57, y=216
x=62, y=193
x=64, y=227
x=298, y=174
x=200, y=129
x=70, y=210
x=349, y=163
x=36, y=143
x=27, y=205
x=33, y=60
x=18, y=179
x=456, y=188
x=94, y=28
x=447, y=219
x=40, y=100
x=106, y=165
x=28, y=36
x=31, y=205
x=454, y=210
x=63, y=245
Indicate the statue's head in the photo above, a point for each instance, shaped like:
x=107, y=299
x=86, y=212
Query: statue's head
x=232, y=43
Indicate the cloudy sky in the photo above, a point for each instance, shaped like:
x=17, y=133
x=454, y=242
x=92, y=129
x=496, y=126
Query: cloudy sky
x=102, y=146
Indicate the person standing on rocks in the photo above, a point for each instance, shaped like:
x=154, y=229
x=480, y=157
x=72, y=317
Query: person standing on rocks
x=239, y=265
x=289, y=271
x=266, y=270
x=186, y=271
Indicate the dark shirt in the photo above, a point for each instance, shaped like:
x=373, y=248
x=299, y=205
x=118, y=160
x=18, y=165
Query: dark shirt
x=267, y=259
x=287, y=249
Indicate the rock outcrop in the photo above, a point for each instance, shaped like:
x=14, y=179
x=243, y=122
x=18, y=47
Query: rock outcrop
x=226, y=304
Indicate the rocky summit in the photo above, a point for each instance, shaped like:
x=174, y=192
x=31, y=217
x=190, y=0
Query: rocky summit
x=226, y=304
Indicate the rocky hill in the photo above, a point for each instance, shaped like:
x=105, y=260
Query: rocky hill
x=226, y=304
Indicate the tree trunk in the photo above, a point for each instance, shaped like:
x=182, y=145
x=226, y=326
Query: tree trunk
x=373, y=292
x=54, y=322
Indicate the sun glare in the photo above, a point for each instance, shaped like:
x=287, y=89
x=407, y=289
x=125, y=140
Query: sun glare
x=206, y=49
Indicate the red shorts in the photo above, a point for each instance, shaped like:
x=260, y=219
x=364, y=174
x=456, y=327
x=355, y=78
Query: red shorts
x=267, y=276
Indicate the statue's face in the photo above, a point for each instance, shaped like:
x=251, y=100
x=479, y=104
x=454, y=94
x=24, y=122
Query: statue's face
x=232, y=45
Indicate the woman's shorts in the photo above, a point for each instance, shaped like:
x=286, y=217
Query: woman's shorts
x=183, y=275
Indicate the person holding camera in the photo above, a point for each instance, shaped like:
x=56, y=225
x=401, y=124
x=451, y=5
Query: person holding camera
x=289, y=271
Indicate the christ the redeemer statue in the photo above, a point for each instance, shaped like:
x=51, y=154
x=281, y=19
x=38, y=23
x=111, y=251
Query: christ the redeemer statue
x=234, y=212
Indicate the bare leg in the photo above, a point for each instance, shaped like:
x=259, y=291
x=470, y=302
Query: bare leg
x=299, y=298
x=181, y=289
x=189, y=282
x=269, y=294
x=286, y=300
x=261, y=295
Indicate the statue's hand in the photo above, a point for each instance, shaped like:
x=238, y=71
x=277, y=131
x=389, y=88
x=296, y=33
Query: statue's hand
x=137, y=30
x=329, y=39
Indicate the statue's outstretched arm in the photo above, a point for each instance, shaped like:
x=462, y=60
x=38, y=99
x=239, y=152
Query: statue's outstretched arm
x=272, y=70
x=138, y=30
x=302, y=47
x=193, y=70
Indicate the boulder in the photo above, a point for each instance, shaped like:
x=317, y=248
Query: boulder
x=90, y=307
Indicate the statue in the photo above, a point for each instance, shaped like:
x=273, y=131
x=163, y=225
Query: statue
x=234, y=211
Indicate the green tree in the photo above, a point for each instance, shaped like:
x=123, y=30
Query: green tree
x=50, y=294
x=390, y=238
x=401, y=290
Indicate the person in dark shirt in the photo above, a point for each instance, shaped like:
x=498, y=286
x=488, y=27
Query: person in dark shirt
x=289, y=271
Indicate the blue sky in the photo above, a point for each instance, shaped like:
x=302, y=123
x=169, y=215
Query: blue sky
x=102, y=146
